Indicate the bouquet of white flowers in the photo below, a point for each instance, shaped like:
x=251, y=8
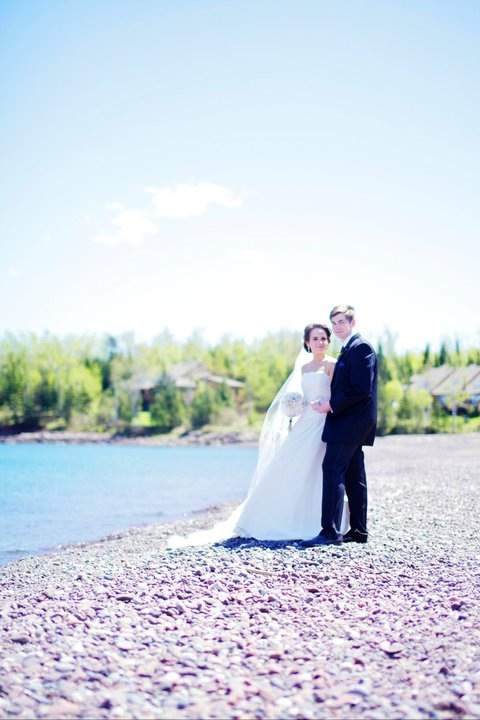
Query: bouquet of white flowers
x=292, y=405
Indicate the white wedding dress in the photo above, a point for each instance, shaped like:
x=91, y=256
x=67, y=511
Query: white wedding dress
x=285, y=501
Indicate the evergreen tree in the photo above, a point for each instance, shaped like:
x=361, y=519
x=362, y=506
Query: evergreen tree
x=91, y=383
x=427, y=355
x=168, y=409
x=406, y=367
x=443, y=356
x=204, y=406
x=384, y=372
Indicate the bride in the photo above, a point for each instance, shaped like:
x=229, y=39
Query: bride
x=284, y=501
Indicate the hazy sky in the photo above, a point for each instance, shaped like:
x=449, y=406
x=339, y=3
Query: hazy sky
x=240, y=166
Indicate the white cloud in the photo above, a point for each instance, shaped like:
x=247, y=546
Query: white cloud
x=185, y=201
x=13, y=272
x=131, y=227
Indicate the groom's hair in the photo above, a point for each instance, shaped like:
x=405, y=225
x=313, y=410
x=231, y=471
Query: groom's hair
x=347, y=310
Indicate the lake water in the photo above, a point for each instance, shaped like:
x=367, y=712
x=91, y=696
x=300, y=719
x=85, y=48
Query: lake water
x=52, y=495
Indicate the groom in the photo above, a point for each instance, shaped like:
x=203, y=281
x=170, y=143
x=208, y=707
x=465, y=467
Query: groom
x=350, y=424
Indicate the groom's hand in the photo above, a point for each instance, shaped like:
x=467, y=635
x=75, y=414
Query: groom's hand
x=321, y=407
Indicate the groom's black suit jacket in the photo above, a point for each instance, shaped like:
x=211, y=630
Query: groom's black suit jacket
x=353, y=396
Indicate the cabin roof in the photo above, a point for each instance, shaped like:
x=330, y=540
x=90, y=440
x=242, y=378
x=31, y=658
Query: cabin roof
x=184, y=375
x=431, y=378
x=447, y=380
x=459, y=380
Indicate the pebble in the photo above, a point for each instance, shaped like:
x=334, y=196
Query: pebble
x=20, y=639
x=123, y=629
x=167, y=681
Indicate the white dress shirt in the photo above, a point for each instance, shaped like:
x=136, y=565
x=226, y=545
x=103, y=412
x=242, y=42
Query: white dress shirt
x=347, y=339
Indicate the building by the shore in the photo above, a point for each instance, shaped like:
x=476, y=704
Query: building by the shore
x=451, y=386
x=185, y=377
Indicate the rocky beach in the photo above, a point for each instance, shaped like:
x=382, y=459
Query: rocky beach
x=246, y=436
x=123, y=628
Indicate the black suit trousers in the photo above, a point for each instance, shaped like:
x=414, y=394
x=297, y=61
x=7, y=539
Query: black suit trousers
x=343, y=471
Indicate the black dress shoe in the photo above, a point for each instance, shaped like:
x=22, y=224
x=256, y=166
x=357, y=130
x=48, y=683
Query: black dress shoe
x=321, y=540
x=355, y=536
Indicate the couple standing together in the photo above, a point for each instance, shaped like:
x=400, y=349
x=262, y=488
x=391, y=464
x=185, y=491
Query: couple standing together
x=318, y=465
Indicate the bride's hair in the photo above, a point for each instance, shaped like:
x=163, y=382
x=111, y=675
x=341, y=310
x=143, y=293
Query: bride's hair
x=308, y=330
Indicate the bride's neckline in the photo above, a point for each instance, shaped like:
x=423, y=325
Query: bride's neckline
x=322, y=369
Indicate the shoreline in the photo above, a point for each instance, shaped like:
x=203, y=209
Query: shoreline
x=123, y=628
x=195, y=519
x=193, y=438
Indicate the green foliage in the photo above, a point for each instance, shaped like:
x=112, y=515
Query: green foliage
x=443, y=355
x=14, y=372
x=224, y=396
x=94, y=383
x=106, y=412
x=414, y=413
x=168, y=409
x=43, y=379
x=472, y=357
x=386, y=371
x=142, y=419
x=269, y=365
x=127, y=405
x=390, y=395
x=204, y=406
x=79, y=387
x=427, y=355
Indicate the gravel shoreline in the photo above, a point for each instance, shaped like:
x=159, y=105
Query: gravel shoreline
x=123, y=628
x=194, y=437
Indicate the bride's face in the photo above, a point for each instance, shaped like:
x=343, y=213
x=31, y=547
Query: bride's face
x=318, y=341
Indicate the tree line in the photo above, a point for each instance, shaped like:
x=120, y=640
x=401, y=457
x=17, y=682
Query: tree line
x=84, y=383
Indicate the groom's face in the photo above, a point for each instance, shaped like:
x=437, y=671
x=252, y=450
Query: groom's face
x=342, y=326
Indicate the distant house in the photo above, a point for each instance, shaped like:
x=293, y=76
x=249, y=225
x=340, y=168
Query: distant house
x=185, y=376
x=449, y=385
x=145, y=386
x=431, y=378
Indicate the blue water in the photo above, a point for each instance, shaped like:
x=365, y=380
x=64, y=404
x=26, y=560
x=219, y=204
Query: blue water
x=52, y=495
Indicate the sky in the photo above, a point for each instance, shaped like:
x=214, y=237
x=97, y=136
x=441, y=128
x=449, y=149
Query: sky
x=239, y=167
